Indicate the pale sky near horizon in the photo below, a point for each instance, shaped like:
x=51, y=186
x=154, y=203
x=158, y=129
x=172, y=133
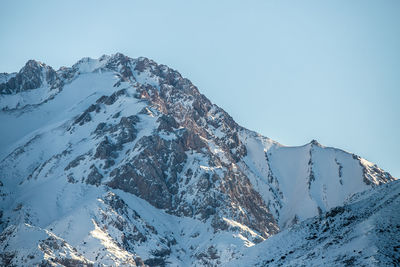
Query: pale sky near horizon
x=290, y=70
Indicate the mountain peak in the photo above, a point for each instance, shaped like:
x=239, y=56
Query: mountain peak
x=119, y=56
x=34, y=64
x=315, y=143
x=127, y=160
x=32, y=76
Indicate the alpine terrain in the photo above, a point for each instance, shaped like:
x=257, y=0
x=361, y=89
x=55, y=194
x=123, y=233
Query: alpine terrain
x=123, y=162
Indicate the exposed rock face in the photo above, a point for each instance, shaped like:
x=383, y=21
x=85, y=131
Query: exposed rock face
x=153, y=174
x=33, y=75
x=157, y=171
x=94, y=177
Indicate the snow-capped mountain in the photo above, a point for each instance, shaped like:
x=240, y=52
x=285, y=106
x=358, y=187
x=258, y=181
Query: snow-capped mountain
x=121, y=161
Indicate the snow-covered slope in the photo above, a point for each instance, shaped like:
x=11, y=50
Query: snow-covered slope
x=122, y=161
x=364, y=232
x=301, y=182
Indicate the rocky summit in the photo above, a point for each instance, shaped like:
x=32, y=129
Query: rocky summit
x=123, y=162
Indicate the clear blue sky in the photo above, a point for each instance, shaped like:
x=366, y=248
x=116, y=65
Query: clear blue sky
x=291, y=70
